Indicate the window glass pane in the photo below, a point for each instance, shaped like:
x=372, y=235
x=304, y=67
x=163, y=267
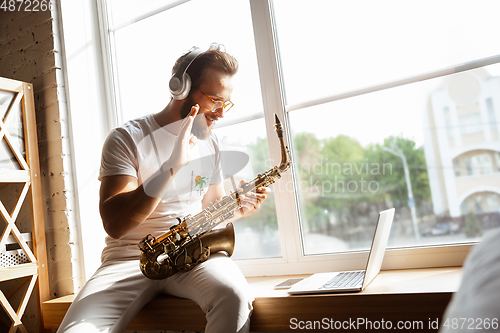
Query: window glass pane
x=145, y=53
x=470, y=123
x=345, y=45
x=491, y=114
x=354, y=156
x=448, y=121
x=257, y=235
x=147, y=50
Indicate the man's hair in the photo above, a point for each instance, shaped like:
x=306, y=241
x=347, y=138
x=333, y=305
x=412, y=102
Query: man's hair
x=214, y=58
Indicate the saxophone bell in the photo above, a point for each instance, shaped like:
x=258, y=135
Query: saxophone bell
x=161, y=263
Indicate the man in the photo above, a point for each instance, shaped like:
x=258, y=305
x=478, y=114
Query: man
x=148, y=172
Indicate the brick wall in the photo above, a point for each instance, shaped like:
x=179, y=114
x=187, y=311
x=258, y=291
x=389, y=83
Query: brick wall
x=29, y=51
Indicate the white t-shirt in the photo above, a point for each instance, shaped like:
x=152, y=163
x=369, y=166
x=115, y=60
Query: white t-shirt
x=138, y=148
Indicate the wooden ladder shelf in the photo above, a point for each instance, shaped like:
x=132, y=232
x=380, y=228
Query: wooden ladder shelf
x=20, y=185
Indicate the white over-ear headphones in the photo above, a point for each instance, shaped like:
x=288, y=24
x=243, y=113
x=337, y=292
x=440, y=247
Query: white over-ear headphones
x=180, y=82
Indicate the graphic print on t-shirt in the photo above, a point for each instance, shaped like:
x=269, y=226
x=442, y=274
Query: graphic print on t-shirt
x=200, y=184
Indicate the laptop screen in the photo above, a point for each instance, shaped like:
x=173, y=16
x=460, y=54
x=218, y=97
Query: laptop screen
x=379, y=245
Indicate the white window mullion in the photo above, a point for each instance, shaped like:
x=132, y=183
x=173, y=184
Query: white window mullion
x=107, y=66
x=147, y=15
x=272, y=97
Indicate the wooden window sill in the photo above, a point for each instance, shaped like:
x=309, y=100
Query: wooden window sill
x=413, y=295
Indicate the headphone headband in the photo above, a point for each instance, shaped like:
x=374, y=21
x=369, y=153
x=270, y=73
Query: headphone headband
x=180, y=82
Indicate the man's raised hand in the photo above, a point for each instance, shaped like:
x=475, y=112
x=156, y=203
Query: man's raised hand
x=185, y=141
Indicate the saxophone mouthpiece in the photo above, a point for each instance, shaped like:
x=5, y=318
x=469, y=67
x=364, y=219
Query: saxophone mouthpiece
x=278, y=127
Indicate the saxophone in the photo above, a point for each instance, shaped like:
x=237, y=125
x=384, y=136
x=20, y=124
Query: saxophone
x=191, y=241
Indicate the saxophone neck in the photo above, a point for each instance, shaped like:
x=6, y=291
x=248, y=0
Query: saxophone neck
x=285, y=160
x=285, y=153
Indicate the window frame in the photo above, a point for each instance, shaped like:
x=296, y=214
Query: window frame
x=293, y=261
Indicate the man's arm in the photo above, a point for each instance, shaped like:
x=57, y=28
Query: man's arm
x=214, y=192
x=124, y=204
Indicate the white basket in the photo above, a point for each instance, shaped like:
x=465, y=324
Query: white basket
x=15, y=256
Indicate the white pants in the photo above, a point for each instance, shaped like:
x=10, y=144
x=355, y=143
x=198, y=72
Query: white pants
x=110, y=300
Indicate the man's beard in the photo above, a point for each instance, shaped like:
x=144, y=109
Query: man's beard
x=200, y=127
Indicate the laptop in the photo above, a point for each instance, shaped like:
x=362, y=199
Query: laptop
x=351, y=281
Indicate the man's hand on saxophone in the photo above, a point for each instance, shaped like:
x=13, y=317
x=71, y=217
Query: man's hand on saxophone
x=251, y=201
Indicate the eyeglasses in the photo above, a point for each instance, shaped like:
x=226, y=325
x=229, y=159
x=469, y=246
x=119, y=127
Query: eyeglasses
x=216, y=105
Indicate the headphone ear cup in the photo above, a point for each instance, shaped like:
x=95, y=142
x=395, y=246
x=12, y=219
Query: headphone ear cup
x=174, y=85
x=180, y=88
x=180, y=82
x=186, y=88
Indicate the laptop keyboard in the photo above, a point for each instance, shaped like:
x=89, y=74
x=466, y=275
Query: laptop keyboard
x=345, y=279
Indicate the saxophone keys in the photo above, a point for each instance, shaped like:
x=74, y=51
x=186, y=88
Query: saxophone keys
x=185, y=267
x=145, y=243
x=204, y=256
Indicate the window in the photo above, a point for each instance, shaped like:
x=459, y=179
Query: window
x=145, y=51
x=493, y=202
x=491, y=115
x=363, y=116
x=257, y=236
x=470, y=123
x=479, y=164
x=456, y=167
x=368, y=111
x=448, y=121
